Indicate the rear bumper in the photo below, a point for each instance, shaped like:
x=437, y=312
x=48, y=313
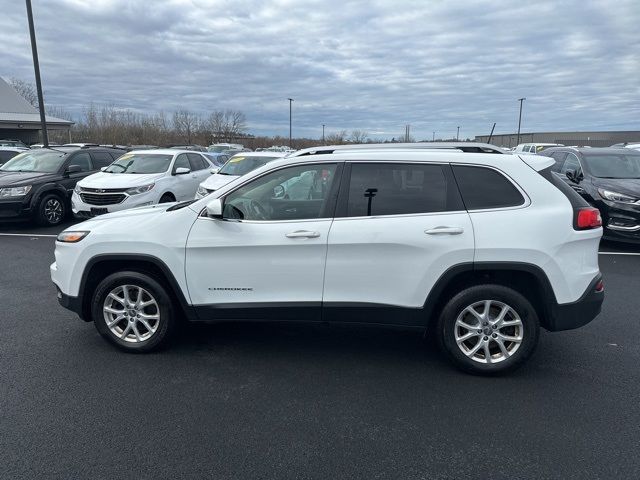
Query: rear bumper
x=568, y=316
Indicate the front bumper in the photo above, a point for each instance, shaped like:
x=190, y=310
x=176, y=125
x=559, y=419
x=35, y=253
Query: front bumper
x=71, y=303
x=621, y=221
x=85, y=210
x=568, y=316
x=15, y=209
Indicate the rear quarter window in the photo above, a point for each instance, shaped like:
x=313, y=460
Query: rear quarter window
x=484, y=188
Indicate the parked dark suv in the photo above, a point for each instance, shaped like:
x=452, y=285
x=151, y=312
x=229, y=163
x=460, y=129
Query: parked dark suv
x=609, y=179
x=37, y=184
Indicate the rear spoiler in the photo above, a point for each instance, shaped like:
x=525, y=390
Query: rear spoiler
x=537, y=162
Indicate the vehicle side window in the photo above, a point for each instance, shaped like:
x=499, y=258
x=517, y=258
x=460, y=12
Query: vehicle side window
x=101, y=159
x=196, y=162
x=181, y=161
x=292, y=193
x=396, y=189
x=83, y=160
x=559, y=158
x=483, y=188
x=571, y=163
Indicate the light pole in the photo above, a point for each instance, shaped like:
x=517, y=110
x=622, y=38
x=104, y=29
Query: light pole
x=36, y=67
x=434, y=137
x=323, y=133
x=520, y=119
x=458, y=135
x=290, y=103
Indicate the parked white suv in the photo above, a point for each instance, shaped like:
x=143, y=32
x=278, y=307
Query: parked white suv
x=238, y=165
x=141, y=178
x=480, y=248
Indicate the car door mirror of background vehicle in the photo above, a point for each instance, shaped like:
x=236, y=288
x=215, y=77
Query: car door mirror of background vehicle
x=278, y=191
x=214, y=171
x=103, y=169
x=182, y=171
x=214, y=208
x=573, y=176
x=71, y=169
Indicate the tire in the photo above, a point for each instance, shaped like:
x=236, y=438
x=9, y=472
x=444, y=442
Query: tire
x=520, y=323
x=138, y=335
x=167, y=198
x=51, y=210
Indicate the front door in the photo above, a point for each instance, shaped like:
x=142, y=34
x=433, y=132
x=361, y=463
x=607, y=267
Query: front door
x=398, y=228
x=265, y=258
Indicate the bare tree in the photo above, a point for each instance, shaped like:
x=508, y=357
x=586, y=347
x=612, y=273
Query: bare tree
x=226, y=125
x=336, y=138
x=358, y=136
x=186, y=124
x=26, y=90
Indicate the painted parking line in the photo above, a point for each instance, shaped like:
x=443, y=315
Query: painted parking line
x=27, y=235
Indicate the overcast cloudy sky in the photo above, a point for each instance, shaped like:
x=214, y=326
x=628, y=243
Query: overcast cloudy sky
x=370, y=65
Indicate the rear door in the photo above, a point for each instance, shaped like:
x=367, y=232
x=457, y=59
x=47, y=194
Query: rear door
x=398, y=228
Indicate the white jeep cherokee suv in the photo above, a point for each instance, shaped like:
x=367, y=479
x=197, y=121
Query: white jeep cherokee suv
x=480, y=248
x=140, y=178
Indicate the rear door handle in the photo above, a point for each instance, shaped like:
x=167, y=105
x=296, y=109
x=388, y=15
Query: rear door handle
x=444, y=231
x=302, y=234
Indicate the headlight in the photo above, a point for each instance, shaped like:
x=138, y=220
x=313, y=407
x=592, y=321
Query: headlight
x=77, y=189
x=15, y=191
x=616, y=197
x=72, y=237
x=139, y=190
x=203, y=192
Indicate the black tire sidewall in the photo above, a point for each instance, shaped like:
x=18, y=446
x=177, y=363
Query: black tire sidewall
x=41, y=217
x=449, y=315
x=167, y=320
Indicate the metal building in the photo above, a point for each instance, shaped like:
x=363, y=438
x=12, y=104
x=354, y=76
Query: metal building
x=591, y=139
x=19, y=120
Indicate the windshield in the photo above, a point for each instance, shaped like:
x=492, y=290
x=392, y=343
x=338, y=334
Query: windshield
x=44, y=161
x=241, y=165
x=140, y=163
x=612, y=165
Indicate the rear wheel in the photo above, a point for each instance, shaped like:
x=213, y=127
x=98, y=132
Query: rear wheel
x=488, y=329
x=133, y=311
x=51, y=210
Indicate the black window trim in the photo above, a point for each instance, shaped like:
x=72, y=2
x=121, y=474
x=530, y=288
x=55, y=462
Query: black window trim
x=328, y=214
x=343, y=197
x=527, y=199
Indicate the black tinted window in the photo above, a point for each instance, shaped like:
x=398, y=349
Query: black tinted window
x=559, y=158
x=485, y=188
x=396, y=189
x=101, y=159
x=181, y=162
x=196, y=161
x=83, y=161
x=6, y=155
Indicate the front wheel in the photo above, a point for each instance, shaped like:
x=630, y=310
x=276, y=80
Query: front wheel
x=51, y=210
x=488, y=329
x=133, y=311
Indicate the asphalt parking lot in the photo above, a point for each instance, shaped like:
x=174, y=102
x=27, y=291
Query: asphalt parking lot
x=298, y=401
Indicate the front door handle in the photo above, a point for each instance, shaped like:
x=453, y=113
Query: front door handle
x=302, y=234
x=444, y=231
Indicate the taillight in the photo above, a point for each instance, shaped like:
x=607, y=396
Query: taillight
x=587, y=218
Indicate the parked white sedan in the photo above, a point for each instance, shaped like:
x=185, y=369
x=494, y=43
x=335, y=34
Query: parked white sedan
x=140, y=178
x=238, y=165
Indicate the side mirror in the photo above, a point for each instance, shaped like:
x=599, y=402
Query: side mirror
x=278, y=191
x=214, y=171
x=182, y=170
x=214, y=208
x=103, y=169
x=71, y=169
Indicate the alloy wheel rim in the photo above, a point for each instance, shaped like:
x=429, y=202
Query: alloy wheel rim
x=131, y=313
x=53, y=210
x=488, y=331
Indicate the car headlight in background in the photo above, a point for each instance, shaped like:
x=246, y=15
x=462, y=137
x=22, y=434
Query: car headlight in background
x=77, y=189
x=139, y=190
x=617, y=197
x=203, y=192
x=71, y=237
x=15, y=191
